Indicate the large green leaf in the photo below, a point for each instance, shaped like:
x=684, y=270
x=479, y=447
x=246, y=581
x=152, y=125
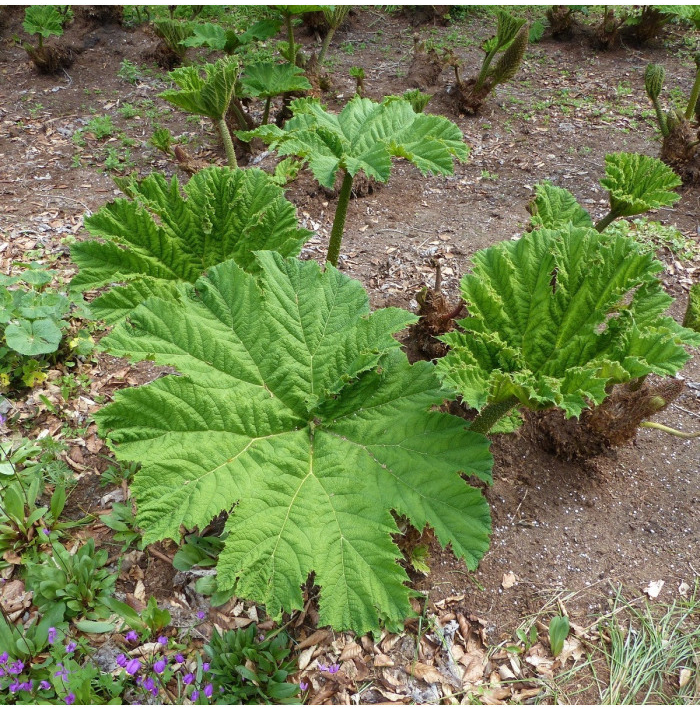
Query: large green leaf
x=267, y=79
x=43, y=20
x=556, y=317
x=555, y=207
x=297, y=413
x=363, y=137
x=207, y=95
x=638, y=183
x=160, y=238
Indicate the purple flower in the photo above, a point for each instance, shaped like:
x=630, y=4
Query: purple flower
x=180, y=658
x=159, y=666
x=333, y=668
x=322, y=668
x=69, y=698
x=121, y=659
x=205, y=667
x=46, y=531
x=2, y=672
x=303, y=686
x=188, y=678
x=16, y=668
x=15, y=686
x=52, y=635
x=201, y=615
x=27, y=686
x=208, y=690
x=132, y=666
x=163, y=640
x=4, y=658
x=132, y=636
x=71, y=646
x=195, y=695
x=62, y=672
x=44, y=684
x=148, y=684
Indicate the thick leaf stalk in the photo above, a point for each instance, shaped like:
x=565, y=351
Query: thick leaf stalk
x=341, y=212
x=491, y=414
x=228, y=142
x=695, y=91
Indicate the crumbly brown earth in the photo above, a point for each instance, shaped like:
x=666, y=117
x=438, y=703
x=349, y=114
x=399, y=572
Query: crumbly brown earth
x=627, y=517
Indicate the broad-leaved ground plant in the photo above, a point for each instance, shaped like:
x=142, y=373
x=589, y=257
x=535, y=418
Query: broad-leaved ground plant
x=208, y=95
x=159, y=237
x=680, y=145
x=298, y=414
x=363, y=137
x=511, y=40
x=35, y=321
x=635, y=183
x=555, y=319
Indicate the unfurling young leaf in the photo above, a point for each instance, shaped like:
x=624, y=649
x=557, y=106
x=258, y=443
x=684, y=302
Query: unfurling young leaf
x=636, y=184
x=297, y=413
x=363, y=137
x=558, y=630
x=159, y=238
x=208, y=95
x=556, y=318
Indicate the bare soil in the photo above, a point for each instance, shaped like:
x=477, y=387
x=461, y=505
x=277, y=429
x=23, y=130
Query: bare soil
x=627, y=517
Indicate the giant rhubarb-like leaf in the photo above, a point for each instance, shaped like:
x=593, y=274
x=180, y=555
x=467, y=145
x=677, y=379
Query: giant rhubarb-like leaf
x=299, y=415
x=556, y=317
x=363, y=137
x=160, y=238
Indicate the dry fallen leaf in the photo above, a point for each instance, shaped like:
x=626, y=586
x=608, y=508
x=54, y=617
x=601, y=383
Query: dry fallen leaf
x=683, y=588
x=654, y=588
x=473, y=663
x=320, y=636
x=428, y=674
x=381, y=660
x=509, y=580
x=351, y=651
x=573, y=647
x=684, y=677
x=305, y=657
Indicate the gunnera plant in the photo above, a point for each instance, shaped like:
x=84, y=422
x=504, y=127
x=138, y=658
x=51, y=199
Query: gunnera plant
x=209, y=95
x=511, y=41
x=556, y=319
x=171, y=49
x=45, y=21
x=363, y=137
x=680, y=146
